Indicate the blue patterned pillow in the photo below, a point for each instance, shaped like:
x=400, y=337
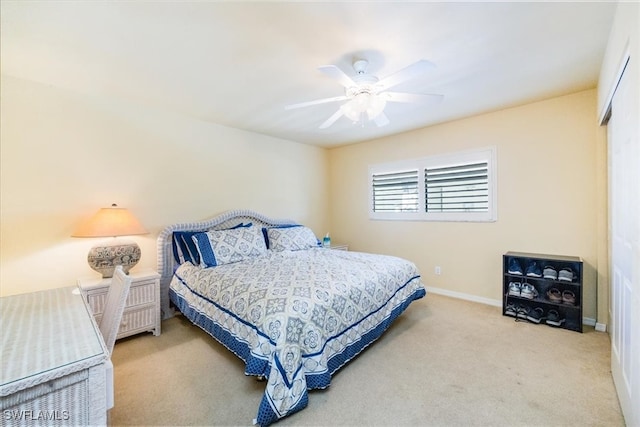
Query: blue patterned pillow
x=218, y=247
x=266, y=236
x=291, y=238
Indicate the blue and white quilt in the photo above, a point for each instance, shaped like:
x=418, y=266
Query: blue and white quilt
x=295, y=317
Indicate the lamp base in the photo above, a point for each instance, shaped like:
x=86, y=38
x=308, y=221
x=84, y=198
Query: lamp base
x=105, y=256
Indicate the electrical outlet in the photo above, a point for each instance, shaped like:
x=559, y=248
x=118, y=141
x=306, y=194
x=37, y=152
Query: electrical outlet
x=438, y=270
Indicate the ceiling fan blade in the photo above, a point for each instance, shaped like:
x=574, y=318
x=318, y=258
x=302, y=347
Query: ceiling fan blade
x=406, y=73
x=337, y=74
x=381, y=119
x=331, y=120
x=421, y=98
x=316, y=102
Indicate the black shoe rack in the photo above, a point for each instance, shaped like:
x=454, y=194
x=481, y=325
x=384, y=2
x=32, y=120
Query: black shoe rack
x=565, y=313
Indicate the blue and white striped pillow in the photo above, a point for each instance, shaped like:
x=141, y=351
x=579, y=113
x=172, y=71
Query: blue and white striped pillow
x=185, y=248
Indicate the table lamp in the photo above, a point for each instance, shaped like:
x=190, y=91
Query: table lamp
x=112, y=222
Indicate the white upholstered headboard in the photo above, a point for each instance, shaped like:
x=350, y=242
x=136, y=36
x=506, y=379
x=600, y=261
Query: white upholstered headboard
x=166, y=261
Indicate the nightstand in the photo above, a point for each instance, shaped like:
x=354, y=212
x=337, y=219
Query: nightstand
x=339, y=247
x=142, y=309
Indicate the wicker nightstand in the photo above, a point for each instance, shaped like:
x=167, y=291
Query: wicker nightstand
x=339, y=247
x=142, y=310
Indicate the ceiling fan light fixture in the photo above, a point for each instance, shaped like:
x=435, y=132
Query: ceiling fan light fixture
x=351, y=111
x=375, y=107
x=362, y=103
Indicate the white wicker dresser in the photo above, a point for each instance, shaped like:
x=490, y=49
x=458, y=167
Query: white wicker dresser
x=53, y=361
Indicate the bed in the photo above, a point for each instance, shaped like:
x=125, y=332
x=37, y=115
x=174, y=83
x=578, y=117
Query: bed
x=293, y=311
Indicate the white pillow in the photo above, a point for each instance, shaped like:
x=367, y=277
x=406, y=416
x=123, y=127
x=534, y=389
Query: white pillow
x=218, y=247
x=291, y=238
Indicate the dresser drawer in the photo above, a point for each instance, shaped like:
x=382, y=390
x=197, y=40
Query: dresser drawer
x=135, y=319
x=140, y=293
x=138, y=319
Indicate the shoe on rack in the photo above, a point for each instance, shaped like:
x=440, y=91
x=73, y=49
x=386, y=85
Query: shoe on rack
x=566, y=275
x=536, y=315
x=523, y=311
x=533, y=270
x=554, y=295
x=554, y=318
x=515, y=289
x=514, y=267
x=550, y=273
x=528, y=291
x=511, y=310
x=569, y=298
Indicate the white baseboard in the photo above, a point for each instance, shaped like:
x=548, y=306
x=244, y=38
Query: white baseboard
x=600, y=327
x=468, y=297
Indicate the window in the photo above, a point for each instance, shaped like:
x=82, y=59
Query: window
x=451, y=187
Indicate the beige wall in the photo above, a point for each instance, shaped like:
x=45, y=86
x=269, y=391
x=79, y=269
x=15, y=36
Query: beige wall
x=548, y=199
x=63, y=156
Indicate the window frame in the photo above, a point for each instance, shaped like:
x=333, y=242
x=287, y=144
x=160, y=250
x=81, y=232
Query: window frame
x=487, y=155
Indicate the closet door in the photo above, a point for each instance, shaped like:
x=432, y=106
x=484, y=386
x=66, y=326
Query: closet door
x=624, y=222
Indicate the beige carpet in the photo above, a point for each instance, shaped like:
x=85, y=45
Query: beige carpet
x=445, y=362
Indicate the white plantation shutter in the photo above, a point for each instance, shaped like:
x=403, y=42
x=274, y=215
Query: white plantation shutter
x=449, y=187
x=396, y=191
x=460, y=188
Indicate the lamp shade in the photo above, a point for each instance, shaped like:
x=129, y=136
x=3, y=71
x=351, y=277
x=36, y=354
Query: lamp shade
x=112, y=222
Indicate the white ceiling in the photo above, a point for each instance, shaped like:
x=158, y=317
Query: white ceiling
x=239, y=63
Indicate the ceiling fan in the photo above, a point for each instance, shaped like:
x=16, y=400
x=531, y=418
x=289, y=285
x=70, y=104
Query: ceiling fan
x=366, y=95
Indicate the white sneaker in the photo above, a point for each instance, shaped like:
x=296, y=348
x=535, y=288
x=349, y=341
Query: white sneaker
x=515, y=289
x=528, y=291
